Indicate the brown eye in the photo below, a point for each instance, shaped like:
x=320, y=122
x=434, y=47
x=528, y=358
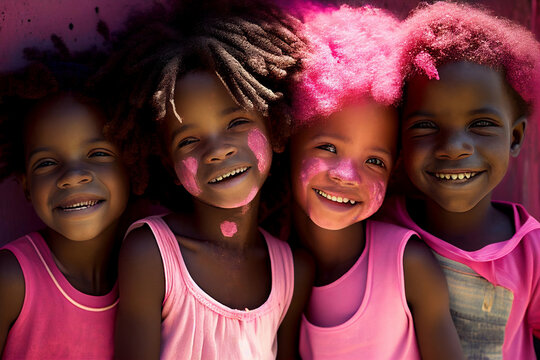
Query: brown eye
x=187, y=141
x=423, y=125
x=237, y=122
x=376, y=161
x=328, y=147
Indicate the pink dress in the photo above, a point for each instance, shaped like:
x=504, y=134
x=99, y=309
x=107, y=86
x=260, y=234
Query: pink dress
x=56, y=320
x=195, y=326
x=494, y=291
x=382, y=325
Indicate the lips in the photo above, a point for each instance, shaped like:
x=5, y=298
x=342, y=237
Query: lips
x=229, y=174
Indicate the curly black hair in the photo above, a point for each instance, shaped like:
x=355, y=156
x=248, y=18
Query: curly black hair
x=48, y=74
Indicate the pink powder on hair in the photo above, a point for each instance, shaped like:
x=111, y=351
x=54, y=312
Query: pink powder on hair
x=352, y=56
x=228, y=228
x=187, y=174
x=260, y=146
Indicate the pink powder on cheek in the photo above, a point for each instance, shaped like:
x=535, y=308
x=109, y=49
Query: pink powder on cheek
x=376, y=191
x=187, y=174
x=228, y=228
x=311, y=167
x=258, y=143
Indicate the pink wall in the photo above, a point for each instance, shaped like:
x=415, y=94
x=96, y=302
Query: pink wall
x=26, y=23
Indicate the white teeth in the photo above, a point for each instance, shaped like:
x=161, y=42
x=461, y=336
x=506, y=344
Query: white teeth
x=460, y=176
x=80, y=205
x=337, y=199
x=231, y=173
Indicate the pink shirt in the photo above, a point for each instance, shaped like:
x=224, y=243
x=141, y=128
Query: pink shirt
x=382, y=326
x=195, y=326
x=504, y=275
x=56, y=320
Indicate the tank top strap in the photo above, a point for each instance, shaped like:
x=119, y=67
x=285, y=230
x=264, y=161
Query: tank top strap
x=168, y=248
x=387, y=246
x=282, y=262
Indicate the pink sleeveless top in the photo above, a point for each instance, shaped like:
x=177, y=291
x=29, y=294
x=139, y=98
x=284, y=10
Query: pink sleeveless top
x=56, y=320
x=196, y=326
x=382, y=327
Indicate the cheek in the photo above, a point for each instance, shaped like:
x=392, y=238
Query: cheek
x=260, y=146
x=310, y=168
x=376, y=191
x=186, y=170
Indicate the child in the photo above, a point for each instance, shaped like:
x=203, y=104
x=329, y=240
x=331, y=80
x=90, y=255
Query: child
x=206, y=282
x=58, y=293
x=379, y=292
x=470, y=82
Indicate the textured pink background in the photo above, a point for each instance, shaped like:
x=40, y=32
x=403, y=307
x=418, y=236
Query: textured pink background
x=31, y=22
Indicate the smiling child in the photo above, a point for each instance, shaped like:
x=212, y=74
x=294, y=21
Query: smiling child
x=58, y=293
x=204, y=282
x=379, y=292
x=470, y=83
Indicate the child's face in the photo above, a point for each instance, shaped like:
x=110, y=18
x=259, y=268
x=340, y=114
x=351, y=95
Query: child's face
x=220, y=151
x=458, y=133
x=74, y=177
x=340, y=165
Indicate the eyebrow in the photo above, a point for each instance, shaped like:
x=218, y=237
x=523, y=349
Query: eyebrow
x=43, y=148
x=180, y=130
x=332, y=136
x=230, y=110
x=419, y=114
x=486, y=110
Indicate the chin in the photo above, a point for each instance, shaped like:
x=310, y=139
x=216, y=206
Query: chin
x=330, y=224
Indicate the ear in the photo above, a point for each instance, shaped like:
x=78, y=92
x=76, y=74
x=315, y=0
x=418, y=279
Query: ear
x=518, y=135
x=21, y=179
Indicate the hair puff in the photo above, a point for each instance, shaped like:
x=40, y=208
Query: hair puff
x=352, y=55
x=449, y=32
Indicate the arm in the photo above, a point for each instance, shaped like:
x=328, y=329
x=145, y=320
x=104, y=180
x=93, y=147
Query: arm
x=427, y=296
x=141, y=283
x=12, y=291
x=289, y=330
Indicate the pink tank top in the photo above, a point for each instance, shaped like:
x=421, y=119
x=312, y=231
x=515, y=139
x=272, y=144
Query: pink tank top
x=382, y=326
x=196, y=326
x=56, y=320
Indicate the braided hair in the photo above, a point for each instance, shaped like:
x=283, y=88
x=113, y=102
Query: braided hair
x=252, y=48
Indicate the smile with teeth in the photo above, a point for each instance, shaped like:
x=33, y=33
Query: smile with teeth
x=229, y=174
x=338, y=199
x=80, y=205
x=456, y=176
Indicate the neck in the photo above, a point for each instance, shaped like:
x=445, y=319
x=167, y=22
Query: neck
x=228, y=228
x=91, y=265
x=334, y=251
x=469, y=230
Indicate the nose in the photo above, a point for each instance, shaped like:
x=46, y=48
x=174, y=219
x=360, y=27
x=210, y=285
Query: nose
x=345, y=173
x=454, y=146
x=74, y=176
x=218, y=152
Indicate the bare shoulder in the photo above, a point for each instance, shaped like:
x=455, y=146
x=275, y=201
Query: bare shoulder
x=12, y=286
x=140, y=260
x=12, y=291
x=424, y=278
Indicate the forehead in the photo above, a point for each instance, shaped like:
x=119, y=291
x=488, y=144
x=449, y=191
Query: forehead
x=462, y=86
x=62, y=120
x=365, y=122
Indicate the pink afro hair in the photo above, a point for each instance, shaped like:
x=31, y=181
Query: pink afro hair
x=352, y=55
x=448, y=32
